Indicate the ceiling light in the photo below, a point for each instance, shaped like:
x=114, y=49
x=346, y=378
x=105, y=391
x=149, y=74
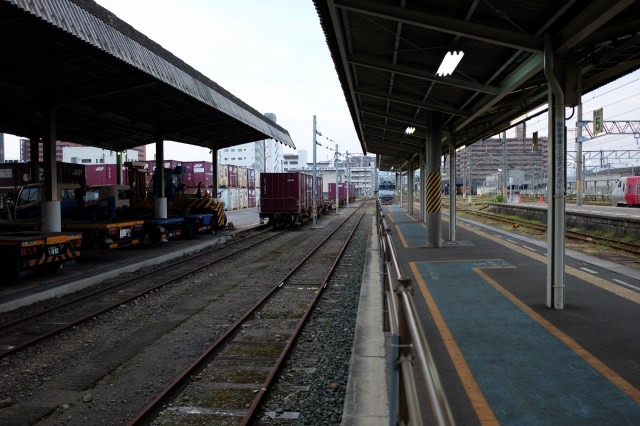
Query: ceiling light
x=410, y=130
x=449, y=63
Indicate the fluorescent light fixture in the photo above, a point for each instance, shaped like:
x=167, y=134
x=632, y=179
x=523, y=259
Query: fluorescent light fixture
x=449, y=63
x=410, y=130
x=528, y=115
x=461, y=148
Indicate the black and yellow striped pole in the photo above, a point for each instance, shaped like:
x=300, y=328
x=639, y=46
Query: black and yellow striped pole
x=434, y=181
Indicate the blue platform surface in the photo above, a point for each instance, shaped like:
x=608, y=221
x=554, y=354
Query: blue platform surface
x=503, y=356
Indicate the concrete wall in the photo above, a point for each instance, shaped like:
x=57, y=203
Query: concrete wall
x=618, y=226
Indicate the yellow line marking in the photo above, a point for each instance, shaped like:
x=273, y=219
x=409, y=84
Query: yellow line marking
x=616, y=289
x=478, y=401
x=594, y=362
x=401, y=235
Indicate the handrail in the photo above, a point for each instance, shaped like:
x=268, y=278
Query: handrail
x=409, y=344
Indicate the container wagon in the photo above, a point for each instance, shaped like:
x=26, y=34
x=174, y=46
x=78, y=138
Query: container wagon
x=286, y=198
x=342, y=193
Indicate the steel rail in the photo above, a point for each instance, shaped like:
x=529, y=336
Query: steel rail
x=7, y=328
x=146, y=415
x=301, y=323
x=580, y=236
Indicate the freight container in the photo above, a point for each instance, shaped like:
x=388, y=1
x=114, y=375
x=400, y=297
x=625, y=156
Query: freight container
x=232, y=171
x=15, y=175
x=251, y=178
x=151, y=166
x=285, y=198
x=223, y=176
x=342, y=192
x=242, y=177
x=104, y=174
x=230, y=198
x=197, y=172
x=243, y=198
x=251, y=196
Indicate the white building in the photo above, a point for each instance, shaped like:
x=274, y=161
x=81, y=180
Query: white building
x=94, y=155
x=265, y=155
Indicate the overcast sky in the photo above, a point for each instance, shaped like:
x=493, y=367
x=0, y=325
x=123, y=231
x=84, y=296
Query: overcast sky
x=273, y=55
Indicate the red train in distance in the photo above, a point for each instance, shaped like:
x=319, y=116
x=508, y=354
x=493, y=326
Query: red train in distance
x=626, y=192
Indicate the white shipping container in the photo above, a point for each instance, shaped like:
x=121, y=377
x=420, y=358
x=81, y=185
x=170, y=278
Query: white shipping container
x=242, y=177
x=223, y=176
x=230, y=198
x=243, y=198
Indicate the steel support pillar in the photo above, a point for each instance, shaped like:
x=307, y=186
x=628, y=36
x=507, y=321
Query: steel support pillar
x=556, y=180
x=452, y=188
x=410, y=187
x=51, y=215
x=161, y=199
x=434, y=181
x=579, y=165
x=119, y=168
x=214, y=180
x=401, y=187
x=34, y=148
x=422, y=188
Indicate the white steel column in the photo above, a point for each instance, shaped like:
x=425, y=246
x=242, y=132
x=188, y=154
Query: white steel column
x=410, y=187
x=556, y=182
x=452, y=188
x=579, y=165
x=50, y=211
x=422, y=188
x=214, y=165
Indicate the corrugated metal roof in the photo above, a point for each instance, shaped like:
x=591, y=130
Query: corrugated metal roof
x=100, y=29
x=386, y=53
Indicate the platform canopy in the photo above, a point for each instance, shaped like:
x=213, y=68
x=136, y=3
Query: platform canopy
x=387, y=52
x=109, y=85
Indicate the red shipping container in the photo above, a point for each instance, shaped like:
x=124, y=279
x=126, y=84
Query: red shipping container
x=251, y=178
x=233, y=175
x=285, y=192
x=342, y=191
x=319, y=196
x=197, y=172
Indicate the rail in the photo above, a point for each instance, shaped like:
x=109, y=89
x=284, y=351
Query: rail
x=409, y=345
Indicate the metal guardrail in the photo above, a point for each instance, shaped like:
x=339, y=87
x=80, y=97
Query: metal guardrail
x=409, y=345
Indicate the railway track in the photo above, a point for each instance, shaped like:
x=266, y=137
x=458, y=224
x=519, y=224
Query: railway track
x=578, y=236
x=230, y=379
x=23, y=332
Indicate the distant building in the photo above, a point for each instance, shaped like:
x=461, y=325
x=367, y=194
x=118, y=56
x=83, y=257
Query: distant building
x=1, y=147
x=93, y=155
x=264, y=155
x=25, y=150
x=521, y=159
x=295, y=161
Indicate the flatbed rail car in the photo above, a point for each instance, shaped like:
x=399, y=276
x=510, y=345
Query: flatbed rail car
x=25, y=252
x=287, y=198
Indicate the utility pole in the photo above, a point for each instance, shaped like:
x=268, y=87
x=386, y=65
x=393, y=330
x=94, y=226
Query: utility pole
x=315, y=189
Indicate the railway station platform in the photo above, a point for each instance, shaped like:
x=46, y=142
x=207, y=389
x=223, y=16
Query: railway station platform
x=504, y=357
